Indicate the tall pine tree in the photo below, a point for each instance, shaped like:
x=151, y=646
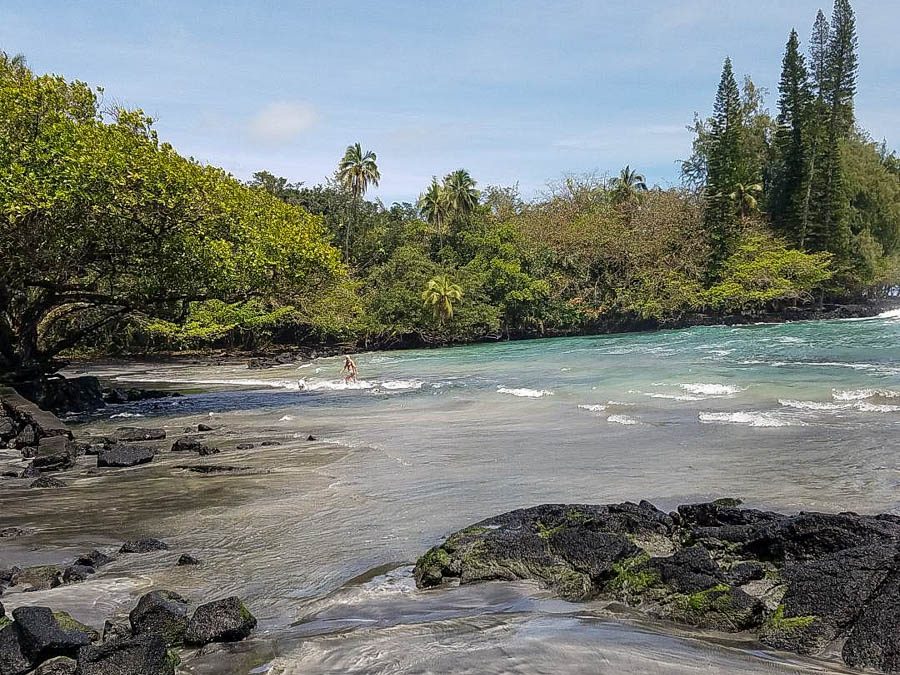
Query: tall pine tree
x=724, y=167
x=829, y=228
x=793, y=147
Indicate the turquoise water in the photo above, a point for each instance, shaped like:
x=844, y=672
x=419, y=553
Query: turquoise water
x=793, y=416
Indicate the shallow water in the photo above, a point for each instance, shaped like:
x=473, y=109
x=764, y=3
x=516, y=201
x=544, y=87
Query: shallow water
x=790, y=417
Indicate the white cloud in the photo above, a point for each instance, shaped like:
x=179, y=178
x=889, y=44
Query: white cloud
x=281, y=122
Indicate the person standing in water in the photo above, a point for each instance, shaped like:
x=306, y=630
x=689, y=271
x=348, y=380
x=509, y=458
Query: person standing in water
x=350, y=370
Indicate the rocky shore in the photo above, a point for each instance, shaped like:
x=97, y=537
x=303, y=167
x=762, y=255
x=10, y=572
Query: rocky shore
x=812, y=583
x=40, y=641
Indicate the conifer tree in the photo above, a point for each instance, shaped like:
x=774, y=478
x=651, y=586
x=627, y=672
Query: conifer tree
x=724, y=167
x=829, y=228
x=792, y=145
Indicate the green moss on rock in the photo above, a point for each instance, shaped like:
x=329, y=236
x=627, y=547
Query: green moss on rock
x=430, y=567
x=632, y=577
x=788, y=624
x=68, y=623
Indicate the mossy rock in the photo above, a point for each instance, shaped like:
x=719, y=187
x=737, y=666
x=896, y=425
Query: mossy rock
x=430, y=568
x=68, y=623
x=798, y=633
x=721, y=607
x=632, y=578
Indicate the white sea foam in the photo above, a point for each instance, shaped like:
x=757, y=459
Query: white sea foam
x=703, y=389
x=676, y=397
x=859, y=404
x=890, y=314
x=593, y=407
x=813, y=405
x=524, y=393
x=286, y=418
x=622, y=419
x=394, y=385
x=862, y=394
x=124, y=414
x=865, y=406
x=750, y=419
x=335, y=385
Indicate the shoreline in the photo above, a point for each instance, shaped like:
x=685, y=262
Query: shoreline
x=282, y=353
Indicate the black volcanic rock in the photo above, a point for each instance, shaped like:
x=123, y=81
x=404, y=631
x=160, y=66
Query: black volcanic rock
x=807, y=583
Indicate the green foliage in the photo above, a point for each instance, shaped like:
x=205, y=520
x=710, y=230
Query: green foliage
x=111, y=239
x=763, y=271
x=440, y=293
x=727, y=167
x=101, y=219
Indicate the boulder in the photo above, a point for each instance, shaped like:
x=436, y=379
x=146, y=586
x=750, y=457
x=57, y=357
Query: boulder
x=187, y=559
x=132, y=434
x=94, y=559
x=65, y=394
x=162, y=613
x=204, y=427
x=55, y=453
x=115, y=630
x=206, y=450
x=125, y=455
x=187, y=444
x=142, y=654
x=225, y=620
x=8, y=427
x=75, y=573
x=146, y=545
x=30, y=471
x=268, y=444
x=94, y=444
x=47, y=482
x=39, y=577
x=26, y=437
x=44, y=634
x=61, y=665
x=245, y=446
x=25, y=413
x=13, y=660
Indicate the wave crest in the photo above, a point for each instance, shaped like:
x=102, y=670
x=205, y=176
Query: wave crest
x=750, y=419
x=522, y=392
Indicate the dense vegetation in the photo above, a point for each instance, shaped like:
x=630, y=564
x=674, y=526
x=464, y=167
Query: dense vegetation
x=113, y=241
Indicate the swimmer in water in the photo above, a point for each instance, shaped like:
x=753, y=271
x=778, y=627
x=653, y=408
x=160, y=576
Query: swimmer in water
x=350, y=371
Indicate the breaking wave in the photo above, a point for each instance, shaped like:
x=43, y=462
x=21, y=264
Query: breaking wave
x=622, y=419
x=750, y=419
x=524, y=393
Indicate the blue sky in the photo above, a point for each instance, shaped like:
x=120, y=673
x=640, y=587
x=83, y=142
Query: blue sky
x=520, y=91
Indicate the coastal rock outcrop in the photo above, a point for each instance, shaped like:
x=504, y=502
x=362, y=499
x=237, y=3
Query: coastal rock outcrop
x=145, y=654
x=119, y=456
x=145, y=545
x=804, y=583
x=226, y=620
x=162, y=613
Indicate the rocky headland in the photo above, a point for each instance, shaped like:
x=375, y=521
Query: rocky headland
x=812, y=583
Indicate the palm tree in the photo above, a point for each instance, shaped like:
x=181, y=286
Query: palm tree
x=745, y=198
x=434, y=207
x=440, y=294
x=628, y=184
x=356, y=172
x=462, y=197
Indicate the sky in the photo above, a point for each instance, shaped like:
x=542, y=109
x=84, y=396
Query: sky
x=517, y=92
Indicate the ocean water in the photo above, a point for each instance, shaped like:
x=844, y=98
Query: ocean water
x=319, y=536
